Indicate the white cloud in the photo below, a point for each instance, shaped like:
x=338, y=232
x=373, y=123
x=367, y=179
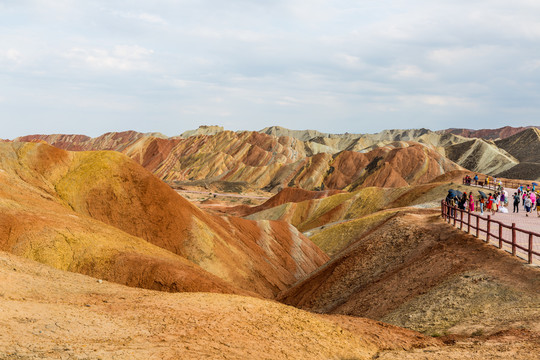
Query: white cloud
x=411, y=72
x=151, y=18
x=437, y=100
x=143, y=16
x=123, y=58
x=11, y=56
x=350, y=61
x=14, y=55
x=214, y=33
x=288, y=101
x=459, y=55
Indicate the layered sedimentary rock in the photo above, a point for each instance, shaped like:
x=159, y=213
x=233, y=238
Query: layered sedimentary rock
x=480, y=156
x=270, y=162
x=487, y=134
x=102, y=214
x=277, y=157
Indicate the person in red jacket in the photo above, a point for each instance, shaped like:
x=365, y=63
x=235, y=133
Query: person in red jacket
x=491, y=205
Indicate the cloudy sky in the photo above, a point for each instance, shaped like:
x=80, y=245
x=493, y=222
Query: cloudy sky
x=337, y=66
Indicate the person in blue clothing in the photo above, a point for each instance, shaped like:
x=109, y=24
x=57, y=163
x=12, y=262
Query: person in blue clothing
x=482, y=201
x=476, y=179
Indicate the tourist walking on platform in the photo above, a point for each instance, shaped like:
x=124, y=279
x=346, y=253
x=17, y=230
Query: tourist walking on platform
x=471, y=202
x=476, y=179
x=533, y=201
x=516, y=203
x=528, y=204
x=538, y=206
x=462, y=201
x=482, y=201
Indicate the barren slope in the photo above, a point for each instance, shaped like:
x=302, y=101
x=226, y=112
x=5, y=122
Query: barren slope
x=277, y=157
x=480, y=156
x=287, y=195
x=271, y=162
x=109, y=188
x=51, y=314
x=487, y=134
x=415, y=271
x=333, y=210
x=524, y=146
x=37, y=224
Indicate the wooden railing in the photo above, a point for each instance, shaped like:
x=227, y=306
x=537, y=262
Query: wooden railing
x=512, y=236
x=511, y=184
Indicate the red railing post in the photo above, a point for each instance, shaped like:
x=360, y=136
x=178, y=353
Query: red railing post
x=500, y=236
x=469, y=221
x=514, y=239
x=454, y=209
x=488, y=228
x=460, y=219
x=530, y=248
x=442, y=208
x=477, y=225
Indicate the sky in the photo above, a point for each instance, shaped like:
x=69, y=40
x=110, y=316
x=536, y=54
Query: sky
x=90, y=67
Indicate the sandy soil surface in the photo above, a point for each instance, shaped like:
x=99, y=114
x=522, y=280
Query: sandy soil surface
x=515, y=345
x=51, y=314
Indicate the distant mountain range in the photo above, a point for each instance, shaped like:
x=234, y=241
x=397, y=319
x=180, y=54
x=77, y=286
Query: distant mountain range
x=276, y=157
x=488, y=134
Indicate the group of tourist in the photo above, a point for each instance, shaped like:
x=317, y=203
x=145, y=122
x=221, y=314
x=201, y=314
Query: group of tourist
x=462, y=202
x=529, y=199
x=468, y=180
x=496, y=202
x=526, y=195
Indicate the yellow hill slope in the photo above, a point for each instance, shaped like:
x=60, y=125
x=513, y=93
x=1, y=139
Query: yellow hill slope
x=98, y=188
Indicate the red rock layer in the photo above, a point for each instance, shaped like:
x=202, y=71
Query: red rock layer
x=266, y=161
x=488, y=134
x=109, y=188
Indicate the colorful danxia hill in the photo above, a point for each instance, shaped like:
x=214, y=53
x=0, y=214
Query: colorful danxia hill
x=271, y=244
